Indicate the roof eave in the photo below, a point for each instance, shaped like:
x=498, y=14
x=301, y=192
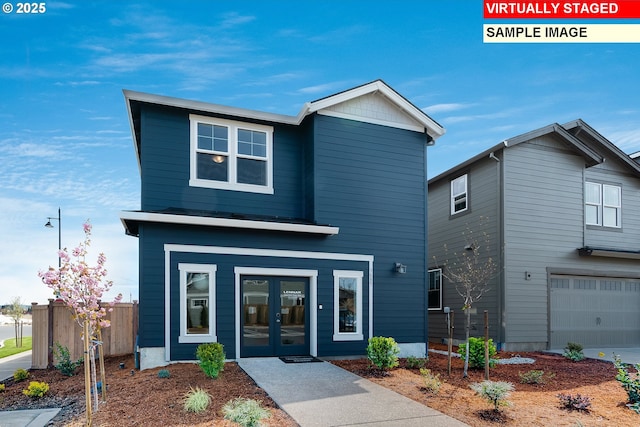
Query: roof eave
x=611, y=147
x=130, y=218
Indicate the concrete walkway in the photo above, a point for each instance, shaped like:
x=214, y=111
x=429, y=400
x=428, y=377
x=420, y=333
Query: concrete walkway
x=321, y=394
x=27, y=417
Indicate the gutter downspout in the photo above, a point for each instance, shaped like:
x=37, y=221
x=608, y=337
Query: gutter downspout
x=428, y=142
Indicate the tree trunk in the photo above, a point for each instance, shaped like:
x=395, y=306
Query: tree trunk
x=103, y=378
x=467, y=332
x=87, y=373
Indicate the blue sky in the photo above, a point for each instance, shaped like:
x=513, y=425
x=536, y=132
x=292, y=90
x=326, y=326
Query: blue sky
x=65, y=139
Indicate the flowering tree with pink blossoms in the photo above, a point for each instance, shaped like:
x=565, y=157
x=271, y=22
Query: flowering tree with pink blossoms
x=81, y=287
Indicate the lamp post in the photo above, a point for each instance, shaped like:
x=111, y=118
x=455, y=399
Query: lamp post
x=49, y=225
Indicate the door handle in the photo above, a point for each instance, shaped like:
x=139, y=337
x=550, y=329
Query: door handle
x=277, y=317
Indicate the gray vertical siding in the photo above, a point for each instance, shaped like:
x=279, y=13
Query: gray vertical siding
x=444, y=229
x=544, y=225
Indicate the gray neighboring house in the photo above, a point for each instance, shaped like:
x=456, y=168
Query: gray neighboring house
x=563, y=209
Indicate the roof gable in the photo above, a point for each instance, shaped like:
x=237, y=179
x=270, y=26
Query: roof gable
x=373, y=108
x=569, y=134
x=377, y=103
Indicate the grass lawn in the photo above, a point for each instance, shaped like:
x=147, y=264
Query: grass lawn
x=9, y=346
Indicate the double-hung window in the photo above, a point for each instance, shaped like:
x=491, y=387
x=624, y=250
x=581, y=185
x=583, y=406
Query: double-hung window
x=231, y=155
x=197, y=303
x=435, y=289
x=459, y=195
x=347, y=303
x=603, y=205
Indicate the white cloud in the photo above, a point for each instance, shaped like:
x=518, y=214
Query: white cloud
x=325, y=88
x=233, y=19
x=445, y=108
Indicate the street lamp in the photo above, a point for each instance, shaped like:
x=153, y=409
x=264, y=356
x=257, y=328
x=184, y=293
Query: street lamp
x=49, y=225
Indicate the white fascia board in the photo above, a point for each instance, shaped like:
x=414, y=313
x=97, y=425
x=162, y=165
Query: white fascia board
x=133, y=131
x=208, y=107
x=227, y=223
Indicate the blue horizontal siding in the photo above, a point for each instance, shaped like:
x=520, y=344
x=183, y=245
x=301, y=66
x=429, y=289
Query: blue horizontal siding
x=368, y=180
x=165, y=170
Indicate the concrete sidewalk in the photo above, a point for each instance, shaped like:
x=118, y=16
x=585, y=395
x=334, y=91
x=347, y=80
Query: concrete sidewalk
x=25, y=418
x=9, y=364
x=320, y=394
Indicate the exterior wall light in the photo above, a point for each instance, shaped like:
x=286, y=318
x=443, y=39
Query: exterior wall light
x=400, y=268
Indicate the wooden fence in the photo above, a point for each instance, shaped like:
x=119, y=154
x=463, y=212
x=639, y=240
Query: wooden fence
x=53, y=323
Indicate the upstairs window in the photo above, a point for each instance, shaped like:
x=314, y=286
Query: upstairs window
x=459, y=196
x=231, y=155
x=603, y=205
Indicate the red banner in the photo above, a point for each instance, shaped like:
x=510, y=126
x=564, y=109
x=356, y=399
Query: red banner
x=588, y=9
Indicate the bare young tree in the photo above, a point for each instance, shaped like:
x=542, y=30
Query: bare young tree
x=470, y=270
x=16, y=312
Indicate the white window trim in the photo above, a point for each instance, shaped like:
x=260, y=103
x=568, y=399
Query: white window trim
x=211, y=269
x=601, y=205
x=465, y=192
x=440, y=293
x=232, y=155
x=347, y=336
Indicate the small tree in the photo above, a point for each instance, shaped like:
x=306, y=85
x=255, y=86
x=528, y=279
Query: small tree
x=16, y=312
x=81, y=287
x=470, y=271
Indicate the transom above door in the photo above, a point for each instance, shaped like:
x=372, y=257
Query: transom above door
x=274, y=316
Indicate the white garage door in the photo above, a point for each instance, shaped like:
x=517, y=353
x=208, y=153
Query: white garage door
x=594, y=311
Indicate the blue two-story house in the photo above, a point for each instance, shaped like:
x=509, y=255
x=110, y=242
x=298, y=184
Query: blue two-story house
x=281, y=235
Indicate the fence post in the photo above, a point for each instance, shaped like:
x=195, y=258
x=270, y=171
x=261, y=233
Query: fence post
x=50, y=333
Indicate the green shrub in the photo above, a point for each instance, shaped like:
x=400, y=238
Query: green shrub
x=575, y=402
x=196, y=400
x=573, y=351
x=164, y=373
x=65, y=365
x=476, y=352
x=36, y=389
x=211, y=356
x=20, y=374
x=630, y=383
x=431, y=382
x=494, y=392
x=574, y=346
x=2, y=387
x=535, y=376
x=383, y=352
x=416, y=362
x=246, y=412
